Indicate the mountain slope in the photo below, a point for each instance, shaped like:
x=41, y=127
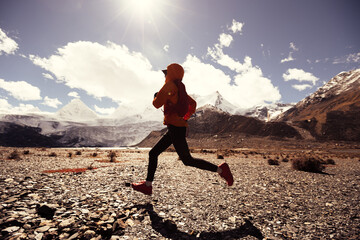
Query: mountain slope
x=336, y=103
x=76, y=111
x=209, y=121
x=217, y=100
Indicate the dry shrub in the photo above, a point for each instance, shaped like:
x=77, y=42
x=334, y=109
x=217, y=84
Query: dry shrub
x=69, y=154
x=53, y=154
x=90, y=167
x=14, y=155
x=308, y=164
x=330, y=161
x=26, y=152
x=78, y=152
x=219, y=156
x=273, y=162
x=94, y=154
x=285, y=160
x=112, y=156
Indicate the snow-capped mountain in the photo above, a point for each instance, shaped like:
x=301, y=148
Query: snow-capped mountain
x=340, y=84
x=333, y=111
x=217, y=100
x=267, y=112
x=76, y=111
x=342, y=92
x=127, y=114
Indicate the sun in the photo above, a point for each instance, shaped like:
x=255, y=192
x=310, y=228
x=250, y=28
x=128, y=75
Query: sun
x=140, y=7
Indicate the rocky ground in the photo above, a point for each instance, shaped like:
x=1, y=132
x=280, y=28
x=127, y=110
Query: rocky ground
x=95, y=200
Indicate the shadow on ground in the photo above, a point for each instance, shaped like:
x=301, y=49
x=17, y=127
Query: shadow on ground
x=168, y=228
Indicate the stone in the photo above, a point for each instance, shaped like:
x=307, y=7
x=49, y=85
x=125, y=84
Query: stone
x=39, y=236
x=11, y=229
x=42, y=229
x=67, y=223
x=89, y=234
x=46, y=211
x=74, y=236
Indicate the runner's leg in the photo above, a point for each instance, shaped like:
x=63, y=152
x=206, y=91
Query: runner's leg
x=178, y=138
x=159, y=147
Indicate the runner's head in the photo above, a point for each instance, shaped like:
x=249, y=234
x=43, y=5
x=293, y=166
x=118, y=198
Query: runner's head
x=174, y=72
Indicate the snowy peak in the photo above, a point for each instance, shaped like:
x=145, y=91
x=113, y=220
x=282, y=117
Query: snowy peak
x=341, y=84
x=341, y=91
x=267, y=112
x=76, y=111
x=217, y=100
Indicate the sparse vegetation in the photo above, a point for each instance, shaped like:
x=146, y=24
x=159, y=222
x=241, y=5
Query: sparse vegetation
x=330, y=161
x=112, y=155
x=220, y=156
x=94, y=154
x=26, y=152
x=90, y=167
x=308, y=164
x=70, y=154
x=14, y=155
x=273, y=162
x=53, y=154
x=78, y=153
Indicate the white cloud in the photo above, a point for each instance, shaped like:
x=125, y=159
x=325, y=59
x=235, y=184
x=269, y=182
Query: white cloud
x=236, y=26
x=217, y=54
x=301, y=87
x=73, y=94
x=225, y=39
x=127, y=77
x=350, y=58
x=107, y=70
x=6, y=107
x=48, y=76
x=104, y=111
x=288, y=59
x=25, y=108
x=250, y=87
x=293, y=47
x=299, y=75
x=51, y=102
x=21, y=90
x=166, y=48
x=7, y=45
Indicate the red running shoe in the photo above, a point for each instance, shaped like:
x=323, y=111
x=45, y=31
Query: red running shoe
x=226, y=174
x=141, y=187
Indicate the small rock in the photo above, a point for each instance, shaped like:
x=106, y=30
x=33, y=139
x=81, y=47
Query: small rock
x=130, y=222
x=39, y=236
x=42, y=229
x=46, y=211
x=89, y=234
x=11, y=229
x=67, y=223
x=74, y=236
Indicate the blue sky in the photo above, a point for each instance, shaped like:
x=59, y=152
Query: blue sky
x=109, y=53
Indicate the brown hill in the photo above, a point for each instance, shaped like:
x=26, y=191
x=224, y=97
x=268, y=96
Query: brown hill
x=211, y=122
x=332, y=112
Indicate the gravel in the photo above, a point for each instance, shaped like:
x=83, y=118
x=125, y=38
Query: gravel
x=265, y=202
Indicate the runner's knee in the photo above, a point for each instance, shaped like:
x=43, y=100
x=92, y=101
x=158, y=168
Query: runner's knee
x=187, y=160
x=153, y=154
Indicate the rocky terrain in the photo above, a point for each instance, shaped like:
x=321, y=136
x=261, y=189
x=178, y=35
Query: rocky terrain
x=79, y=194
x=332, y=112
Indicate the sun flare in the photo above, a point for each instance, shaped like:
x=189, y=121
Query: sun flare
x=142, y=6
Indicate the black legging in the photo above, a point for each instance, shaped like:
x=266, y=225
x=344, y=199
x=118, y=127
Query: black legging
x=175, y=136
